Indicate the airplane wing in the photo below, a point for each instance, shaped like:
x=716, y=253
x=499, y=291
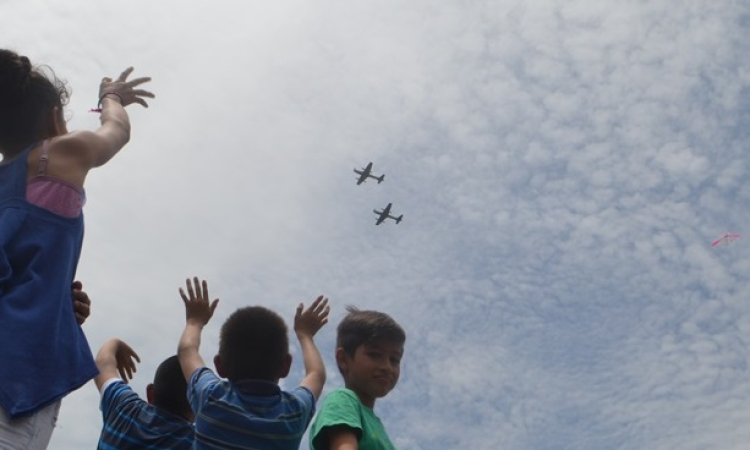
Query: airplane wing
x=382, y=215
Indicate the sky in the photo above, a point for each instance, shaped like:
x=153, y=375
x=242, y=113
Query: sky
x=562, y=167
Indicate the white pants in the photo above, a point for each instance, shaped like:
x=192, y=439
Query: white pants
x=28, y=432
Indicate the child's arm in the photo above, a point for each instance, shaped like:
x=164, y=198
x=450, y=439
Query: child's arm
x=93, y=149
x=113, y=357
x=197, y=314
x=306, y=324
x=342, y=439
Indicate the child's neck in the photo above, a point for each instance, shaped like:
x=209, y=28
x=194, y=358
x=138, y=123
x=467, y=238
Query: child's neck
x=364, y=399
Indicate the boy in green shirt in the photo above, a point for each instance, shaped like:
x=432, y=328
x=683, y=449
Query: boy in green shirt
x=369, y=347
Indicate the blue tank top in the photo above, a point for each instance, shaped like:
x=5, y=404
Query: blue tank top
x=43, y=351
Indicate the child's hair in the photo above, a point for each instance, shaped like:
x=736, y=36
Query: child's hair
x=26, y=97
x=362, y=327
x=170, y=387
x=253, y=344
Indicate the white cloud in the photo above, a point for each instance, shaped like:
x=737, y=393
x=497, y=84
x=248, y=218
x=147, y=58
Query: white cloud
x=562, y=168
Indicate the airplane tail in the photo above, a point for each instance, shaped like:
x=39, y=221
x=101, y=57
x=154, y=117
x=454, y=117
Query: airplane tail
x=381, y=178
x=398, y=219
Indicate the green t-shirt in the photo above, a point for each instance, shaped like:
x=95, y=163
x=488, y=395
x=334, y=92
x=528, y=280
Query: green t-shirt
x=342, y=407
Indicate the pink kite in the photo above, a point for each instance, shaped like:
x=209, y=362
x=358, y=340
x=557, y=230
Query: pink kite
x=726, y=239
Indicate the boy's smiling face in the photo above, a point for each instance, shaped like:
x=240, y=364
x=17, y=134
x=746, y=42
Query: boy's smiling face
x=374, y=369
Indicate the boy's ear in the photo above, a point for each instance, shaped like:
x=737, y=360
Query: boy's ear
x=342, y=359
x=286, y=366
x=219, y=367
x=150, y=393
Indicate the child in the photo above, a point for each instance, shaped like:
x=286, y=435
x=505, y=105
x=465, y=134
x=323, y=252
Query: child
x=369, y=347
x=41, y=231
x=162, y=423
x=249, y=411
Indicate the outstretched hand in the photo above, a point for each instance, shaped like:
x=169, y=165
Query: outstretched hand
x=124, y=89
x=197, y=307
x=312, y=319
x=125, y=356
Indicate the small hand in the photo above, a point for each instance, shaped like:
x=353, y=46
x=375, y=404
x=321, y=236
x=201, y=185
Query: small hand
x=197, y=308
x=124, y=89
x=309, y=321
x=124, y=355
x=81, y=303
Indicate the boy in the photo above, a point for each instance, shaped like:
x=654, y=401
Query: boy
x=369, y=347
x=164, y=422
x=249, y=410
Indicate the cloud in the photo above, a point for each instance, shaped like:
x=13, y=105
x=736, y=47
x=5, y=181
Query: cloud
x=562, y=168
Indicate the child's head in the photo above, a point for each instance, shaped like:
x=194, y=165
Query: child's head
x=369, y=347
x=253, y=345
x=169, y=389
x=31, y=102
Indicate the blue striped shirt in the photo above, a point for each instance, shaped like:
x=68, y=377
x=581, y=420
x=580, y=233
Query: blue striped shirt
x=247, y=415
x=131, y=423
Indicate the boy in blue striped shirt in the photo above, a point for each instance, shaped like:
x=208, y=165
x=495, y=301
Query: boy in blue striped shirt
x=162, y=423
x=248, y=410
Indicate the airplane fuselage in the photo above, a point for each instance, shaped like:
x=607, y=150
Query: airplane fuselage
x=385, y=214
x=366, y=173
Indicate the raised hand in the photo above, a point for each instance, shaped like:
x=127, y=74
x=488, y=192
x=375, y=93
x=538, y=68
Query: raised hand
x=123, y=89
x=125, y=356
x=312, y=319
x=197, y=307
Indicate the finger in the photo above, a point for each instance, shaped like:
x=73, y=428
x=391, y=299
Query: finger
x=124, y=75
x=190, y=289
x=82, y=308
x=106, y=80
x=141, y=102
x=321, y=304
x=214, y=305
x=77, y=286
x=82, y=297
x=137, y=81
x=317, y=301
x=80, y=319
x=204, y=285
x=300, y=307
x=142, y=93
x=184, y=297
x=197, y=288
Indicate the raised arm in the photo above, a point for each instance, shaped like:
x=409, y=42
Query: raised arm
x=306, y=324
x=92, y=149
x=115, y=357
x=198, y=312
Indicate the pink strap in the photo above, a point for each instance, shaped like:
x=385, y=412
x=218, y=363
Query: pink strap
x=43, y=158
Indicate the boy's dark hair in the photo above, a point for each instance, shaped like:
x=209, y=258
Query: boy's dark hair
x=360, y=327
x=27, y=96
x=253, y=344
x=170, y=387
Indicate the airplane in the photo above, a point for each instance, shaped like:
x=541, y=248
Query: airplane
x=385, y=213
x=364, y=174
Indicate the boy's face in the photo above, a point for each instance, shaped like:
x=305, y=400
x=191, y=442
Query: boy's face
x=374, y=369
